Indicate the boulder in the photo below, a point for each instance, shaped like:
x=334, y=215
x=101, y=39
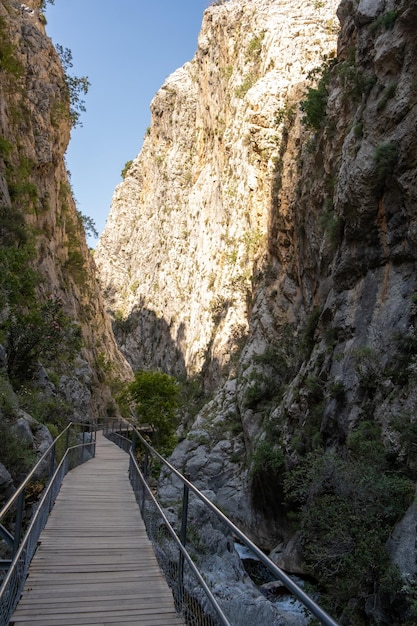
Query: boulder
x=6, y=483
x=23, y=431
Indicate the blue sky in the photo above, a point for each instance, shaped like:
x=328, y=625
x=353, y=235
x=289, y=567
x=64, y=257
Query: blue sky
x=126, y=48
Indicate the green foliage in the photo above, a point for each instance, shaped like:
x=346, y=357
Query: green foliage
x=358, y=130
x=266, y=458
x=23, y=192
x=333, y=226
x=285, y=114
x=348, y=506
x=219, y=307
x=387, y=20
x=48, y=410
x=404, y=370
x=262, y=387
x=308, y=340
x=76, y=87
x=156, y=398
x=15, y=455
x=74, y=228
x=314, y=105
x=88, y=224
x=5, y=147
x=368, y=368
x=17, y=287
x=386, y=158
x=44, y=334
x=17, y=278
x=255, y=46
x=386, y=96
x=406, y=427
x=355, y=81
x=126, y=169
x=8, y=61
x=13, y=228
x=248, y=82
x=8, y=400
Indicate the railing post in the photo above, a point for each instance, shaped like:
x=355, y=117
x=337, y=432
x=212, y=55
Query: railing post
x=183, y=539
x=18, y=522
x=145, y=477
x=146, y=464
x=52, y=462
x=52, y=469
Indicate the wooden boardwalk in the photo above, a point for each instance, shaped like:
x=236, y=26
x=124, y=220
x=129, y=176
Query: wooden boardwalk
x=95, y=564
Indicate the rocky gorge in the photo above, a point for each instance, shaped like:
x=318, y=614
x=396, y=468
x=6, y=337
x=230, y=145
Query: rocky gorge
x=263, y=243
x=261, y=249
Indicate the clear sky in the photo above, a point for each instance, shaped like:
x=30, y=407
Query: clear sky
x=126, y=48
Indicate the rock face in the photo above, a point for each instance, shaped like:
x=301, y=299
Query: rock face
x=190, y=221
x=57, y=353
x=37, y=207
x=271, y=249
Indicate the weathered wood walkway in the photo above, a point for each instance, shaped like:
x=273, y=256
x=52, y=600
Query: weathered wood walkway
x=95, y=564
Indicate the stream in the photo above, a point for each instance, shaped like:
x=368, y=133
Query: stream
x=269, y=586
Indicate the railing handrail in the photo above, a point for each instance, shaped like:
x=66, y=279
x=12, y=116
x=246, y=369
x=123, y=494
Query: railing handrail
x=35, y=516
x=180, y=546
x=305, y=599
x=24, y=547
x=34, y=469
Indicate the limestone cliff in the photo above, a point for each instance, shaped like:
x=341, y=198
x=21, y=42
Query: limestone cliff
x=271, y=248
x=57, y=346
x=190, y=221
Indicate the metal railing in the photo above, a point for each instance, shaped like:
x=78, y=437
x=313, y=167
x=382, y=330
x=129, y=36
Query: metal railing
x=193, y=595
x=77, y=444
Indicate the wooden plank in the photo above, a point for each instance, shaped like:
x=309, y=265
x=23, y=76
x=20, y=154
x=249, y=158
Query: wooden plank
x=95, y=565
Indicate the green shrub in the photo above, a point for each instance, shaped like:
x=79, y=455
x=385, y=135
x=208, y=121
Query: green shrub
x=44, y=333
x=387, y=20
x=333, y=225
x=17, y=457
x=386, y=158
x=247, y=84
x=348, y=507
x=386, y=96
x=88, y=224
x=315, y=103
x=308, y=339
x=266, y=458
x=255, y=46
x=76, y=86
x=126, y=168
x=368, y=368
x=49, y=410
x=156, y=397
x=261, y=388
x=8, y=61
x=284, y=114
x=5, y=147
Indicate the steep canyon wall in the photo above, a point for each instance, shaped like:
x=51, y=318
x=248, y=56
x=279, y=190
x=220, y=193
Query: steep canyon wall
x=57, y=347
x=270, y=248
x=189, y=223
